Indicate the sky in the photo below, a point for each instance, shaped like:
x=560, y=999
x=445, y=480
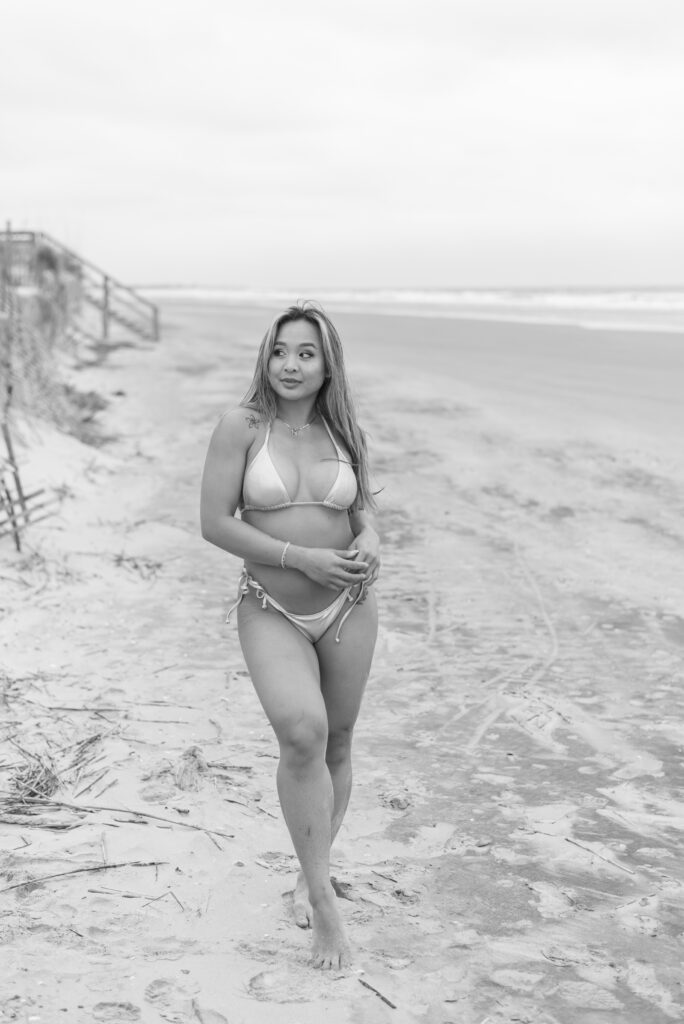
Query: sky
x=364, y=143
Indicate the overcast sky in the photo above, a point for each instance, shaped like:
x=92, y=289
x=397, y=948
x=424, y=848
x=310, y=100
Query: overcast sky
x=355, y=143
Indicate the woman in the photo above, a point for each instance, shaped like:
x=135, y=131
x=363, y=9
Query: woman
x=293, y=460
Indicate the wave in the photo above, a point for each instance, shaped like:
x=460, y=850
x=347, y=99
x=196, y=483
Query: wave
x=625, y=308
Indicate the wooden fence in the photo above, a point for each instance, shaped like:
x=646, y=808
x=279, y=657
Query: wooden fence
x=18, y=509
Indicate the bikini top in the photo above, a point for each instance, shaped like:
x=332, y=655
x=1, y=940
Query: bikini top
x=264, y=491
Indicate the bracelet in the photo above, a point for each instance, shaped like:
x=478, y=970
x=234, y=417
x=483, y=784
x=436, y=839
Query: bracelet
x=282, y=557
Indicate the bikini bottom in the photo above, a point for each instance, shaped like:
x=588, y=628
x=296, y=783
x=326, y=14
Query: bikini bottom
x=313, y=626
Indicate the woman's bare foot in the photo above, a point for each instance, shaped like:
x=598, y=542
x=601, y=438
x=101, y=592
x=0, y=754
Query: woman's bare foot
x=330, y=949
x=302, y=906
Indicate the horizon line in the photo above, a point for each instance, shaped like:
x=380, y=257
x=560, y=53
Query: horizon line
x=667, y=286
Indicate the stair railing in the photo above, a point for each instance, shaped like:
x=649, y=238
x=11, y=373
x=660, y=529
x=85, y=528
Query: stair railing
x=117, y=303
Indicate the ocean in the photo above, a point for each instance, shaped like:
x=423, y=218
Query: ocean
x=614, y=369
x=660, y=309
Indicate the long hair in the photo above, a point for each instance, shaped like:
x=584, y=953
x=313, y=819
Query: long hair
x=334, y=400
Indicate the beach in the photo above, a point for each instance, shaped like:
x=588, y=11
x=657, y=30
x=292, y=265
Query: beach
x=512, y=850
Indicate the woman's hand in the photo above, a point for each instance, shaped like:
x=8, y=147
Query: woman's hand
x=367, y=544
x=327, y=566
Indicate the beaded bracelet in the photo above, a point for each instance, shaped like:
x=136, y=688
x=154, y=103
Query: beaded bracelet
x=282, y=557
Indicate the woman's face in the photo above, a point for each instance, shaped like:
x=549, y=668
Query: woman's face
x=296, y=367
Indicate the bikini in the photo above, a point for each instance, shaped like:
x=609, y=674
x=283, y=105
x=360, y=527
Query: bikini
x=263, y=490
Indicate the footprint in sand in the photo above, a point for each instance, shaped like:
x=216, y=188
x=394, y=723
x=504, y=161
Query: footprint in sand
x=176, y=1003
x=283, y=863
x=167, y=994
x=265, y=952
x=286, y=986
x=519, y=981
x=169, y=949
x=157, y=792
x=116, y=1013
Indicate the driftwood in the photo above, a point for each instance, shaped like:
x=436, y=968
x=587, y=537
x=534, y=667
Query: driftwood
x=79, y=871
x=378, y=994
x=39, y=802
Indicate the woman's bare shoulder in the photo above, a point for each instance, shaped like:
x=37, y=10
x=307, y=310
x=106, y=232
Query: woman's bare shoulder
x=238, y=426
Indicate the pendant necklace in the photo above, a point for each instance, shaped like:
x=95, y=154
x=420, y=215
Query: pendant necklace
x=296, y=431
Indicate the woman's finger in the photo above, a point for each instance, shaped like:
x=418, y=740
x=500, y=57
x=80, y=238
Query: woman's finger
x=370, y=558
x=354, y=566
x=348, y=577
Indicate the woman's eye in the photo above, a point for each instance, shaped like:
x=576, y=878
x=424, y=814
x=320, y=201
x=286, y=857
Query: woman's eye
x=281, y=353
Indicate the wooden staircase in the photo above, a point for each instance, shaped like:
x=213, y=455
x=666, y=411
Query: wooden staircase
x=117, y=304
x=89, y=307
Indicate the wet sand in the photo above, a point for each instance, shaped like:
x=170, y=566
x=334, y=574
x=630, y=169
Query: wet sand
x=513, y=845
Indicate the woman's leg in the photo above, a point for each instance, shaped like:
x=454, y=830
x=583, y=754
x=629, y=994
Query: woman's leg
x=284, y=669
x=344, y=669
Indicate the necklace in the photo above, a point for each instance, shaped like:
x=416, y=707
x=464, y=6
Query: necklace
x=296, y=431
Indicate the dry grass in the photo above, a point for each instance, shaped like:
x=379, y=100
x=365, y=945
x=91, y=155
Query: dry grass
x=36, y=777
x=39, y=775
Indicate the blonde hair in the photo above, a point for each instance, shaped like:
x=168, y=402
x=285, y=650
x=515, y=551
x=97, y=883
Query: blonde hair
x=334, y=400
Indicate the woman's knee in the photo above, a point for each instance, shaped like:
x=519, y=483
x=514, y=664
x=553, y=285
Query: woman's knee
x=339, y=745
x=302, y=739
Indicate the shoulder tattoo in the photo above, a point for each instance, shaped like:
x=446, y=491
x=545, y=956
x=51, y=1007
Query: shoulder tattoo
x=252, y=421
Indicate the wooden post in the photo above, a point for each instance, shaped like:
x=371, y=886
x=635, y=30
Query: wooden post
x=9, y=327
x=7, y=264
x=105, y=309
x=3, y=283
x=8, y=508
x=15, y=468
x=5, y=365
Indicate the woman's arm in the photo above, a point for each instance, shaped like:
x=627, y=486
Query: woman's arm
x=224, y=470
x=359, y=520
x=366, y=542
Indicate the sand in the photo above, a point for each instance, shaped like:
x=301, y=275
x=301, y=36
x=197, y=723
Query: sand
x=512, y=850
